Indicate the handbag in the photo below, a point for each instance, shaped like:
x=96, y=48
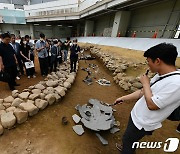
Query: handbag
x=175, y=115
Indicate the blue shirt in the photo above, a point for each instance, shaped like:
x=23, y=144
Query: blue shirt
x=42, y=53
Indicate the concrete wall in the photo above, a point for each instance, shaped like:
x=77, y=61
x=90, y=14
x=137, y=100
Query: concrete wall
x=130, y=43
x=22, y=29
x=103, y=24
x=7, y=6
x=154, y=17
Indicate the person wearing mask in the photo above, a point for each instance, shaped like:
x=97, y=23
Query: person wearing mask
x=59, y=56
x=16, y=47
x=54, y=53
x=41, y=47
x=75, y=49
x=158, y=98
x=8, y=61
x=31, y=53
x=25, y=52
x=66, y=46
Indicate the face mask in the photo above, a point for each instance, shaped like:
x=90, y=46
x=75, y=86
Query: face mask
x=41, y=39
x=24, y=42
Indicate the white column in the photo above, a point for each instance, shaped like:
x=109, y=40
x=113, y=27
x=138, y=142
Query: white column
x=120, y=24
x=31, y=31
x=89, y=27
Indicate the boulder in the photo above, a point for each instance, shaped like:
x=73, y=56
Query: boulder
x=2, y=107
x=20, y=115
x=57, y=96
x=49, y=90
x=2, y=112
x=60, y=91
x=11, y=109
x=137, y=85
x=42, y=95
x=1, y=129
x=36, y=91
x=67, y=85
x=6, y=105
x=8, y=120
x=70, y=80
x=50, y=98
x=30, y=101
x=16, y=102
x=41, y=104
x=15, y=93
x=33, y=96
x=8, y=99
x=24, y=95
x=1, y=101
x=39, y=86
x=31, y=108
x=52, y=83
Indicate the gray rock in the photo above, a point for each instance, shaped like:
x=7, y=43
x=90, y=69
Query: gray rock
x=78, y=129
x=41, y=104
x=50, y=98
x=39, y=86
x=52, y=83
x=49, y=90
x=36, y=91
x=21, y=115
x=42, y=95
x=15, y=93
x=31, y=108
x=16, y=102
x=11, y=109
x=6, y=105
x=8, y=120
x=1, y=129
x=8, y=99
x=2, y=112
x=30, y=101
x=137, y=85
x=2, y=107
x=67, y=85
x=60, y=91
x=24, y=95
x=33, y=96
x=103, y=141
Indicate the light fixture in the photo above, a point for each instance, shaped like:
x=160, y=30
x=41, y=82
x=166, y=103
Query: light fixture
x=36, y=24
x=70, y=26
x=48, y=25
x=59, y=25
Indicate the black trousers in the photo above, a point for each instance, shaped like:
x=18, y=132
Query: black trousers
x=43, y=62
x=11, y=77
x=73, y=64
x=21, y=66
x=131, y=135
x=53, y=65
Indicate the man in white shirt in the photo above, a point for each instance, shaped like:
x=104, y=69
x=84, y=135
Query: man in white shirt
x=155, y=101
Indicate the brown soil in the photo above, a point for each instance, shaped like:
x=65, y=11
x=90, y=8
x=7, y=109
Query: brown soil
x=45, y=134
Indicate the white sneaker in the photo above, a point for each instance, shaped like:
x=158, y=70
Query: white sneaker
x=18, y=78
x=34, y=76
x=29, y=77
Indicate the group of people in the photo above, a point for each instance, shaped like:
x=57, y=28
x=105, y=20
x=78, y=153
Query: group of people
x=15, y=56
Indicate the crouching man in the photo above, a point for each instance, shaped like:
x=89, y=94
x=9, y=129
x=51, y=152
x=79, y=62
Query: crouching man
x=158, y=98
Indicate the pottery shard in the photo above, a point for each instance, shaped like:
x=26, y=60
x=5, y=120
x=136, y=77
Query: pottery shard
x=16, y=102
x=36, y=91
x=39, y=86
x=8, y=120
x=20, y=115
x=1, y=129
x=31, y=108
x=41, y=104
x=52, y=83
x=33, y=96
x=24, y=95
x=8, y=99
x=60, y=91
x=50, y=98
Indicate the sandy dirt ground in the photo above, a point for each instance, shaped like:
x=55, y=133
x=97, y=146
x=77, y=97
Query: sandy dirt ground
x=45, y=134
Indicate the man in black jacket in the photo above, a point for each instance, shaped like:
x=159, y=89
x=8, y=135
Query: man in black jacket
x=75, y=49
x=8, y=61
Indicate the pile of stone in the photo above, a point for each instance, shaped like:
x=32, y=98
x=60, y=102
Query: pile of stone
x=20, y=105
x=97, y=117
x=119, y=67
